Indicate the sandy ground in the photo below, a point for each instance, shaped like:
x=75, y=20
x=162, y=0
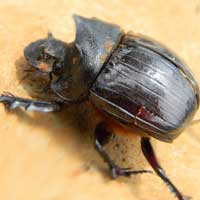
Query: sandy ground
x=51, y=156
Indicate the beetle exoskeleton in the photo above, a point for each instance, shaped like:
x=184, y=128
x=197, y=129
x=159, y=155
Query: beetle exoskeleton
x=132, y=78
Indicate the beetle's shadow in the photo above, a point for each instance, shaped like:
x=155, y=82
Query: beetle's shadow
x=76, y=116
x=80, y=118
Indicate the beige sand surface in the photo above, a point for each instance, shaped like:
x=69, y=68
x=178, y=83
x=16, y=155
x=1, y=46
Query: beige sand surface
x=51, y=156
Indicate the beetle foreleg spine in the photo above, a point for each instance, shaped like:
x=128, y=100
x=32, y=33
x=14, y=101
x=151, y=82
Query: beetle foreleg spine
x=13, y=102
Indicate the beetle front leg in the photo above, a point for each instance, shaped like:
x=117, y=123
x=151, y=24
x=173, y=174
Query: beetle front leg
x=13, y=102
x=148, y=152
x=102, y=135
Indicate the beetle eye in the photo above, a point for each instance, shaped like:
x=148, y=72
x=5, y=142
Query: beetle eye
x=44, y=56
x=57, y=68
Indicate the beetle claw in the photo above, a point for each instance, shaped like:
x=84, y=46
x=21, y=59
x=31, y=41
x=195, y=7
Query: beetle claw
x=7, y=99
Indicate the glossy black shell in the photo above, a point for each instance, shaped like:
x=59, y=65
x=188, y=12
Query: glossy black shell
x=134, y=79
x=145, y=84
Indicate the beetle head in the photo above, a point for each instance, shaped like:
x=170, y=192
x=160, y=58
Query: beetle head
x=46, y=55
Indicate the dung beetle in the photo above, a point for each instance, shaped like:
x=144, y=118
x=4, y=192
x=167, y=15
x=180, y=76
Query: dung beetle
x=132, y=79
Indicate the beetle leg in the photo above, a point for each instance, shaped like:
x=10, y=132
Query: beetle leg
x=148, y=152
x=102, y=134
x=13, y=102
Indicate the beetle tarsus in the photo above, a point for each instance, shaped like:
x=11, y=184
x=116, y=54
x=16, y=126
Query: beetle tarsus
x=13, y=102
x=101, y=137
x=148, y=152
x=117, y=171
